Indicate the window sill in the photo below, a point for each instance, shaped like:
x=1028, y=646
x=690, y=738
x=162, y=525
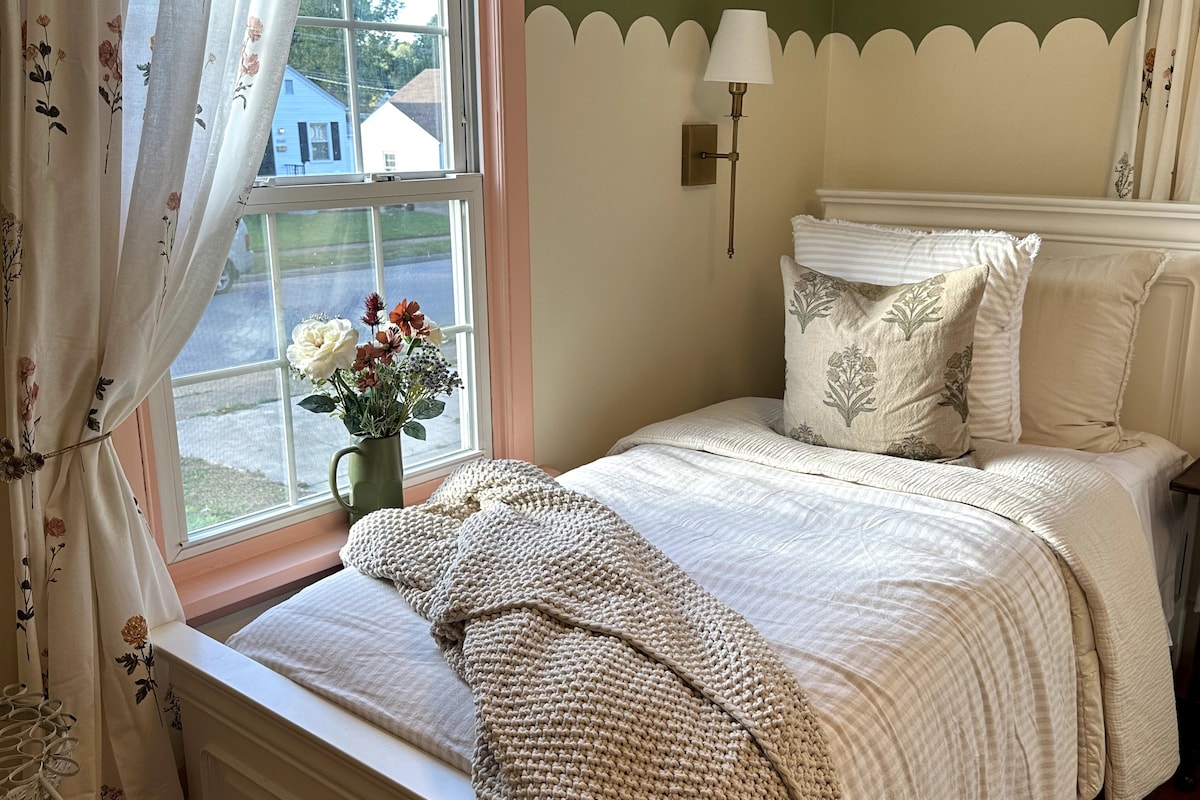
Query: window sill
x=215, y=584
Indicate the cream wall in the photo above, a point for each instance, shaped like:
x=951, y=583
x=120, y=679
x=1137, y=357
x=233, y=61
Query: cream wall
x=637, y=312
x=1009, y=116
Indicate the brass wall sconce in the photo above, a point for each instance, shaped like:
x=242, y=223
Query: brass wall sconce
x=741, y=55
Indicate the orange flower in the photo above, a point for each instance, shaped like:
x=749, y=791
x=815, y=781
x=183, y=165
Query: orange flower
x=43, y=20
x=409, y=319
x=55, y=527
x=135, y=631
x=1149, y=65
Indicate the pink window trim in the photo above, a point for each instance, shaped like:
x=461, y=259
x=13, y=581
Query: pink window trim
x=221, y=582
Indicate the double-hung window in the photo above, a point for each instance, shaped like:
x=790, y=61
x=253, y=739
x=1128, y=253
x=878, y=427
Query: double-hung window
x=378, y=191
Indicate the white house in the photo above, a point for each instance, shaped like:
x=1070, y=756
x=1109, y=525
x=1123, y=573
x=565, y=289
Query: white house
x=405, y=133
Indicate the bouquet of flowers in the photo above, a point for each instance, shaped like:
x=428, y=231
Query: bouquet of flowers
x=384, y=386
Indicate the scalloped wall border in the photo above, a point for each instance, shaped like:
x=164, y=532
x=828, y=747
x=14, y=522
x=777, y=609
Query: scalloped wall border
x=858, y=19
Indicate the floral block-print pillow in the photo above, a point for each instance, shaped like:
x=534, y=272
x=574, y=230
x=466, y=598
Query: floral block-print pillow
x=881, y=369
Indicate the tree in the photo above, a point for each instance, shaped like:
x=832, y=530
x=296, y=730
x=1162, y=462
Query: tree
x=383, y=63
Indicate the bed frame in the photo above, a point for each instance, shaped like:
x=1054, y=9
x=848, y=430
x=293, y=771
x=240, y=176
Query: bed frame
x=251, y=734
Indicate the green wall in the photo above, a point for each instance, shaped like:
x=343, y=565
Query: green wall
x=860, y=19
x=785, y=16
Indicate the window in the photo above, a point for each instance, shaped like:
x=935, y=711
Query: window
x=318, y=141
x=240, y=457
x=288, y=86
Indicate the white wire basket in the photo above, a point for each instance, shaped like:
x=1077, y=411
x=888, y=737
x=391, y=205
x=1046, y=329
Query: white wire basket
x=35, y=745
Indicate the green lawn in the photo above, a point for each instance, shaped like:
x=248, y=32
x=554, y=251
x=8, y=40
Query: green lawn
x=214, y=493
x=343, y=236
x=346, y=227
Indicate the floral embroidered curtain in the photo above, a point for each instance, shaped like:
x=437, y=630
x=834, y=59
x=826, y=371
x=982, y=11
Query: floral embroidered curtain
x=130, y=133
x=1157, y=151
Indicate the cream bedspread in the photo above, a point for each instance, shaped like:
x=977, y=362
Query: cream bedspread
x=1078, y=510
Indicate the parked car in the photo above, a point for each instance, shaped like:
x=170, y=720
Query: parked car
x=240, y=260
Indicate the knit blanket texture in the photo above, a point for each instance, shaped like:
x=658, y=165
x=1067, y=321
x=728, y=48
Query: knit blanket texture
x=598, y=667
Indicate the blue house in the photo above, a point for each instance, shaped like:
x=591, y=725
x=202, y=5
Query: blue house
x=310, y=133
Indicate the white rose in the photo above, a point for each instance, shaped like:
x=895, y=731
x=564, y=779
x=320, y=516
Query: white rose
x=436, y=337
x=321, y=346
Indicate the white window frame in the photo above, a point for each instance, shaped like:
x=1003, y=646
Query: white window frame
x=459, y=182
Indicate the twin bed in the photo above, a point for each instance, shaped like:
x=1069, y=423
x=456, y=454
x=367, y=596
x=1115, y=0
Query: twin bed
x=994, y=628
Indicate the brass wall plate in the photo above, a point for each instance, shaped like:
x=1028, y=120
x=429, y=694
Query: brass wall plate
x=699, y=139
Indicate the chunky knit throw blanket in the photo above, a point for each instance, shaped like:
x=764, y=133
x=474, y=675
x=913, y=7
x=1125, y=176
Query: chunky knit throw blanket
x=598, y=667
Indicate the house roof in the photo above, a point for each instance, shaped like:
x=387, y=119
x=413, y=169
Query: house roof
x=421, y=100
x=426, y=87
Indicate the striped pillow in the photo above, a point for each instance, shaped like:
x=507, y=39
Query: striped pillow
x=891, y=256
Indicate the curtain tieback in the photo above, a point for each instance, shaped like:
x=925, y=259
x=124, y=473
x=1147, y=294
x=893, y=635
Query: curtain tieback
x=14, y=466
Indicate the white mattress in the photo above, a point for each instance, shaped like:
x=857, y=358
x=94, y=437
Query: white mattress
x=917, y=626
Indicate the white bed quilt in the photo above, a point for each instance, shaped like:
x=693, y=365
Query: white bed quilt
x=918, y=626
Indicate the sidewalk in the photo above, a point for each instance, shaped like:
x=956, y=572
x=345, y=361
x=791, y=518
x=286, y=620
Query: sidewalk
x=249, y=439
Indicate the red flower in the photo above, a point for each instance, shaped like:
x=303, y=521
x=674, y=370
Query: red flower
x=114, y=24
x=374, y=309
x=254, y=29
x=409, y=319
x=392, y=341
x=55, y=527
x=25, y=367
x=173, y=201
x=363, y=358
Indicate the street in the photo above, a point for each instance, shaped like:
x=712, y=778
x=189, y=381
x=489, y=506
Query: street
x=238, y=328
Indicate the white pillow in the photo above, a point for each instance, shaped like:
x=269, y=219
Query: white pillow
x=890, y=256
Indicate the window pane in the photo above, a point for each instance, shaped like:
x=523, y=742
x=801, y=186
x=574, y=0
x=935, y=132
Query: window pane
x=408, y=12
x=402, y=100
x=317, y=437
x=236, y=327
x=326, y=261
x=322, y=8
x=417, y=259
x=316, y=106
x=231, y=448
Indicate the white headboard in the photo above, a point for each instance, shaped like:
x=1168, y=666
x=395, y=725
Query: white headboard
x=1163, y=396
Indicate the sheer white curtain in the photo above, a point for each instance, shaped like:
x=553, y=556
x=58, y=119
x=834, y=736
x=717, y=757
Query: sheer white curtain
x=1157, y=152
x=130, y=132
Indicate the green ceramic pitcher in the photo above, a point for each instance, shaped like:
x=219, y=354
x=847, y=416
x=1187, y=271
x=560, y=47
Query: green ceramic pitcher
x=376, y=470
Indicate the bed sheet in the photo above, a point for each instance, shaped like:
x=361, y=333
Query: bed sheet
x=1146, y=473
x=918, y=627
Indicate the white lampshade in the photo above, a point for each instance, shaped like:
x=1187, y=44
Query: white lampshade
x=741, y=50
